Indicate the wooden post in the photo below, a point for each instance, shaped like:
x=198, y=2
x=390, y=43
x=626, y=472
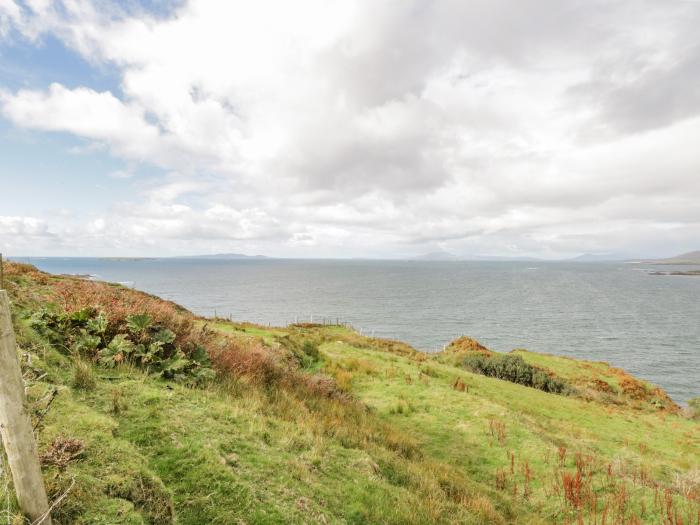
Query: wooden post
x=16, y=427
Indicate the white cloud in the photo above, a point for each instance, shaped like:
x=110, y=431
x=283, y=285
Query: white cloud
x=23, y=226
x=385, y=127
x=10, y=15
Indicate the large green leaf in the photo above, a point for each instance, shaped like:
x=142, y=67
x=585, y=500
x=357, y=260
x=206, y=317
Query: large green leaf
x=86, y=343
x=138, y=323
x=200, y=356
x=164, y=336
x=98, y=325
x=82, y=316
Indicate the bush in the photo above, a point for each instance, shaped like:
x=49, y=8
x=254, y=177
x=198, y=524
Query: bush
x=311, y=350
x=694, y=405
x=513, y=368
x=137, y=340
x=247, y=359
x=304, y=351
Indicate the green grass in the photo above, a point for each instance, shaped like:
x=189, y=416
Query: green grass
x=455, y=428
x=267, y=334
x=401, y=445
x=213, y=457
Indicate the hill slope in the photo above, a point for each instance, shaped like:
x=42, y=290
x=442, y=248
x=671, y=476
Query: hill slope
x=317, y=424
x=684, y=258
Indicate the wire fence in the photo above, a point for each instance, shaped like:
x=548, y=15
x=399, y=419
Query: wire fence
x=6, y=514
x=322, y=320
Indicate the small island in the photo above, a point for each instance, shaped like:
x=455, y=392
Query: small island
x=676, y=272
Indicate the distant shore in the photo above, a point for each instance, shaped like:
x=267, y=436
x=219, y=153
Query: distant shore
x=677, y=272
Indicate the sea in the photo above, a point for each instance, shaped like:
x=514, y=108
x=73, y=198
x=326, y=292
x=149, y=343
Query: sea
x=615, y=312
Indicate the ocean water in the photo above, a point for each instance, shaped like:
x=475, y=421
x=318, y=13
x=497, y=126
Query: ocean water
x=615, y=312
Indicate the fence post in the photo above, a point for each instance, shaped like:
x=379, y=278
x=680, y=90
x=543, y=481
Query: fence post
x=16, y=427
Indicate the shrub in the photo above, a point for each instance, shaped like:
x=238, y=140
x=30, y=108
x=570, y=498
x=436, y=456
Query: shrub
x=429, y=371
x=694, y=405
x=118, y=303
x=248, y=359
x=89, y=334
x=311, y=350
x=302, y=350
x=513, y=368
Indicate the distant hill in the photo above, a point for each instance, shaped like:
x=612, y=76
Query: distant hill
x=595, y=257
x=223, y=256
x=684, y=258
x=437, y=256
x=496, y=258
x=446, y=256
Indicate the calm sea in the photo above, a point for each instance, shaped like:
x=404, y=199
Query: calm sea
x=616, y=312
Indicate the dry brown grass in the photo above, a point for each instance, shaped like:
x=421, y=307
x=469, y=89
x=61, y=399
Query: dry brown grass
x=459, y=385
x=466, y=344
x=497, y=431
x=62, y=451
x=118, y=302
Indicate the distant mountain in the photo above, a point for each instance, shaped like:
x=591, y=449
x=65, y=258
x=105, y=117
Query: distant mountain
x=437, y=256
x=684, y=258
x=223, y=256
x=446, y=256
x=595, y=257
x=496, y=258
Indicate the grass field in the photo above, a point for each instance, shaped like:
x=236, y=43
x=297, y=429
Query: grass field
x=317, y=424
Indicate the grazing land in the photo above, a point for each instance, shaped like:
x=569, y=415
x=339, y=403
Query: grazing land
x=145, y=413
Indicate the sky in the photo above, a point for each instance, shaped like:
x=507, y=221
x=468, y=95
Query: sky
x=343, y=128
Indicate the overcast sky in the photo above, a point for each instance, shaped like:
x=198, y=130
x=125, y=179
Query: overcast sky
x=377, y=128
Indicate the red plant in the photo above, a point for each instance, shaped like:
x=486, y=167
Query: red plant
x=562, y=454
x=527, y=473
x=573, y=484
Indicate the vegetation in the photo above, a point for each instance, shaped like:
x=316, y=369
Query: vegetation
x=694, y=408
x=96, y=334
x=513, y=368
x=317, y=424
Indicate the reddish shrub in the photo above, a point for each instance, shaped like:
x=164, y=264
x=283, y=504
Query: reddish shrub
x=252, y=361
x=117, y=303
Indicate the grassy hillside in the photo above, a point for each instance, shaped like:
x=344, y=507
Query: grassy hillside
x=147, y=414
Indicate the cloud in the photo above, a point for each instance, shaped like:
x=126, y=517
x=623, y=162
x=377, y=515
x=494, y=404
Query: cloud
x=10, y=15
x=122, y=174
x=382, y=128
x=23, y=226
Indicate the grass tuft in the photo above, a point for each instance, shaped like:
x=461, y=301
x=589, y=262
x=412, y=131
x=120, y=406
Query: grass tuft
x=83, y=375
